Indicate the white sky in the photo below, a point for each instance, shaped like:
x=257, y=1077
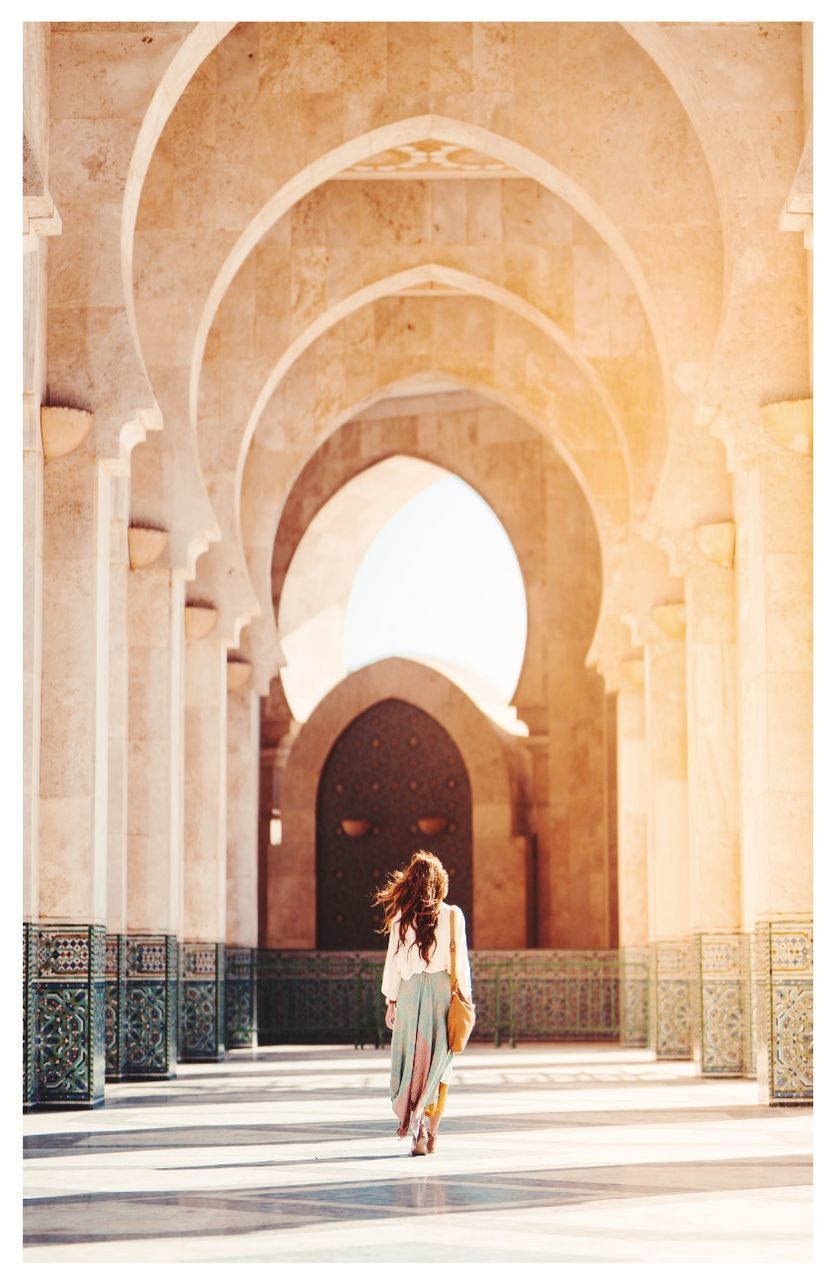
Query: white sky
x=441, y=581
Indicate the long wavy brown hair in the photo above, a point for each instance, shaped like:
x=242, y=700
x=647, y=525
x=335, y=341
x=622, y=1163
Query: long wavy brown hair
x=415, y=892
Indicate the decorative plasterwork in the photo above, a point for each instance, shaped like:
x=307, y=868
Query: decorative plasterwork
x=790, y=422
x=717, y=542
x=429, y=158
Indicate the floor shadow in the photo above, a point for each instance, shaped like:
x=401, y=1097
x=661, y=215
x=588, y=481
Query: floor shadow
x=103, y=1142
x=140, y=1216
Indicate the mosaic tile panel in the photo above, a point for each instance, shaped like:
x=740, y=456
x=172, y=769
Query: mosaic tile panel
x=68, y=1014
x=115, y=1006
x=242, y=1024
x=670, y=1032
x=634, y=995
x=719, y=998
x=784, y=1011
x=750, y=1011
x=202, y=1002
x=151, y=1007
x=28, y=1017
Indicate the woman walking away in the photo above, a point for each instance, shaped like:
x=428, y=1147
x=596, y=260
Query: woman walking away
x=417, y=987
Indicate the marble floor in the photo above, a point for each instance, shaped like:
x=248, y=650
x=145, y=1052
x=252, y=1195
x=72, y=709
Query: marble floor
x=547, y=1153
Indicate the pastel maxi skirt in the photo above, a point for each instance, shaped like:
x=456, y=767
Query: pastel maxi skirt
x=420, y=1057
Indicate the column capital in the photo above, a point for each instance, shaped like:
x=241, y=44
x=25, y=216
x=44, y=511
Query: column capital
x=670, y=619
x=62, y=429
x=147, y=544
x=790, y=423
x=200, y=618
x=632, y=674
x=239, y=670
x=717, y=541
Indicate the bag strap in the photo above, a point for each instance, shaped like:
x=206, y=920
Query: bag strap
x=453, y=954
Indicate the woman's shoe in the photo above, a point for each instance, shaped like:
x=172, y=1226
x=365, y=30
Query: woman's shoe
x=431, y=1144
x=420, y=1144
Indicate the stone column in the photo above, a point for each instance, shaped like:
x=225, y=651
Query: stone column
x=116, y=873
x=205, y=850
x=720, y=968
x=773, y=507
x=667, y=833
x=632, y=868
x=68, y=959
x=32, y=636
x=243, y=720
x=156, y=766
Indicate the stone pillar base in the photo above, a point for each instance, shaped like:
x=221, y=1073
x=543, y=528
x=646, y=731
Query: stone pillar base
x=115, y=956
x=670, y=1032
x=720, y=1002
x=151, y=1006
x=242, y=1005
x=783, y=975
x=634, y=995
x=65, y=1056
x=202, y=1002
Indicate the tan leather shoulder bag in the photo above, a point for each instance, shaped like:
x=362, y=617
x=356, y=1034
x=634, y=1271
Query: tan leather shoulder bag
x=461, y=1012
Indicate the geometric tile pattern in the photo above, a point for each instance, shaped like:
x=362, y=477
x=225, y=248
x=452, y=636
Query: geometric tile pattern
x=784, y=1011
x=115, y=1004
x=28, y=1017
x=242, y=1027
x=151, y=1006
x=750, y=1011
x=634, y=995
x=560, y=995
x=311, y=997
x=720, y=999
x=67, y=1014
x=670, y=1032
x=202, y=1002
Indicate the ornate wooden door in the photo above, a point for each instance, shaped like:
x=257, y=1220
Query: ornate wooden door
x=393, y=767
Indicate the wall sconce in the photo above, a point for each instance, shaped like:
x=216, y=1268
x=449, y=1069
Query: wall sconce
x=431, y=826
x=355, y=827
x=275, y=826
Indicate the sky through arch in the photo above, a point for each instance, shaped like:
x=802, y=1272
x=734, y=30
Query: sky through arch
x=441, y=584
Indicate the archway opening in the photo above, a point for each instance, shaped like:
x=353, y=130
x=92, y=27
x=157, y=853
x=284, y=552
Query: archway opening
x=394, y=781
x=405, y=560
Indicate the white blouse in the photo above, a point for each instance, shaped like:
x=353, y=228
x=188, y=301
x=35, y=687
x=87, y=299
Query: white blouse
x=407, y=961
